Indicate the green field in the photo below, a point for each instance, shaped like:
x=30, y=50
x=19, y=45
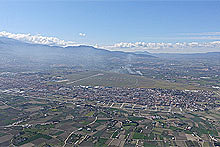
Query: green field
x=90, y=114
x=34, y=138
x=138, y=136
x=115, y=134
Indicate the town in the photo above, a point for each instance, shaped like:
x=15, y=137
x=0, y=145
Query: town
x=49, y=109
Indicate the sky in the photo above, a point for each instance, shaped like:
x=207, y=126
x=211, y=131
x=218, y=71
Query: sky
x=157, y=26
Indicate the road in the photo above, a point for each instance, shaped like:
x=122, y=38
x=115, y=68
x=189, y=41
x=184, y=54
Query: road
x=92, y=122
x=9, y=106
x=99, y=74
x=69, y=137
x=77, y=130
x=112, y=104
x=122, y=105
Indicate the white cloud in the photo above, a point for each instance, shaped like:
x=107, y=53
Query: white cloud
x=38, y=39
x=82, y=34
x=211, y=43
x=163, y=47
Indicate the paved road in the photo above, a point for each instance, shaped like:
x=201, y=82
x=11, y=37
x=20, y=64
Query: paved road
x=99, y=74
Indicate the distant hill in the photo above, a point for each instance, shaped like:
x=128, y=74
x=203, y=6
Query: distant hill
x=17, y=53
x=86, y=56
x=207, y=55
x=142, y=53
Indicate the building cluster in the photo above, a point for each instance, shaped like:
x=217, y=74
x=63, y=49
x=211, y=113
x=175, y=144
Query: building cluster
x=36, y=85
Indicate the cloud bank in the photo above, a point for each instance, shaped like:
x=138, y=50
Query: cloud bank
x=38, y=39
x=167, y=47
x=144, y=45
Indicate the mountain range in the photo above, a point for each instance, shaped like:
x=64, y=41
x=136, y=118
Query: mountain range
x=20, y=53
x=88, y=56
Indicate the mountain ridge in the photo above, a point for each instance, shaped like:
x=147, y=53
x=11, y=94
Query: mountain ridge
x=86, y=56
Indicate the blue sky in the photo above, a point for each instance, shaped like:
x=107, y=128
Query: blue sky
x=109, y=22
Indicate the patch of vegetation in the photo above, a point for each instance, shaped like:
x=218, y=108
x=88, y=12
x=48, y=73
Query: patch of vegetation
x=136, y=118
x=2, y=134
x=188, y=132
x=84, y=122
x=138, y=136
x=119, y=110
x=148, y=144
x=126, y=127
x=99, y=121
x=58, y=133
x=175, y=128
x=130, y=124
x=115, y=134
x=150, y=136
x=202, y=130
x=99, y=133
x=101, y=142
x=7, y=122
x=30, y=139
x=90, y=114
x=47, y=126
x=54, y=110
x=192, y=143
x=104, y=114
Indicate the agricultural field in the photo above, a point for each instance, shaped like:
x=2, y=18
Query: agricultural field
x=90, y=108
x=85, y=123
